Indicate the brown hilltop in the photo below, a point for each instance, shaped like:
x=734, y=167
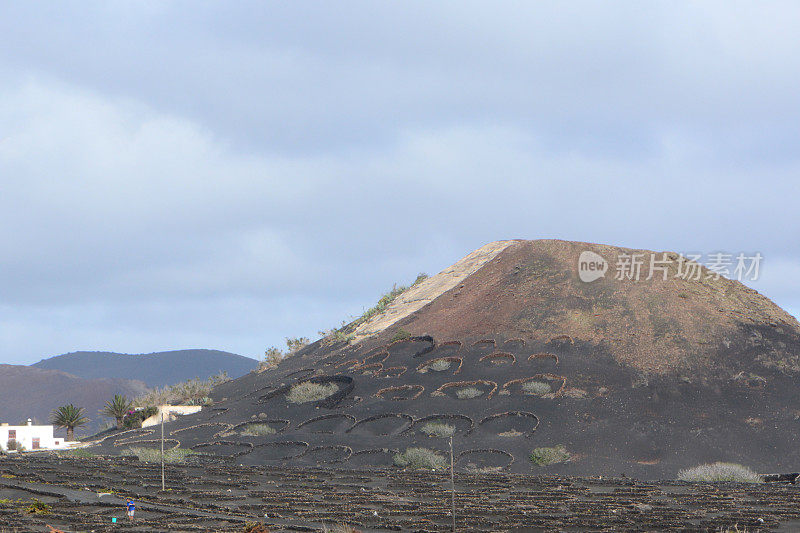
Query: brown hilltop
x=531, y=290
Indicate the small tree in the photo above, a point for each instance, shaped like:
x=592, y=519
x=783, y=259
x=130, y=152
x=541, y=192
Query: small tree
x=117, y=408
x=69, y=417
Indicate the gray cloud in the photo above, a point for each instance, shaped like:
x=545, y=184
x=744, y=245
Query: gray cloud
x=177, y=175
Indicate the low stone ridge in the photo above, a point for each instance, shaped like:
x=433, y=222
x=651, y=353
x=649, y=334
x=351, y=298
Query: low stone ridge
x=642, y=378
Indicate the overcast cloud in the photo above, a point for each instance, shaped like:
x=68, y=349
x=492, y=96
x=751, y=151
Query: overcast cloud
x=223, y=175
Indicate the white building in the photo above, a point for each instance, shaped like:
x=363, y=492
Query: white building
x=31, y=437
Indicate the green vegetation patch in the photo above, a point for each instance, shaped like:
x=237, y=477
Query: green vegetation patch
x=550, y=455
x=719, y=472
x=420, y=458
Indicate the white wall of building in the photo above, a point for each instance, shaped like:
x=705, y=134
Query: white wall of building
x=170, y=413
x=31, y=437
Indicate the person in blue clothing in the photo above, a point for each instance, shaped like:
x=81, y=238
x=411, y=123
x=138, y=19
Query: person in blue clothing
x=131, y=508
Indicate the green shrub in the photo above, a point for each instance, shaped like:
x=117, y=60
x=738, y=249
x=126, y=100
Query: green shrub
x=438, y=429
x=153, y=455
x=719, y=472
x=537, y=388
x=257, y=430
x=37, y=507
x=310, y=392
x=467, y=393
x=420, y=458
x=550, y=455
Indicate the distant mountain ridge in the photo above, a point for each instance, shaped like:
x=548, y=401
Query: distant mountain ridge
x=156, y=369
x=28, y=392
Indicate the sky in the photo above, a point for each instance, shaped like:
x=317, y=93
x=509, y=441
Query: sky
x=227, y=174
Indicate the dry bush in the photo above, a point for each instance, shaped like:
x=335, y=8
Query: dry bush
x=311, y=392
x=420, y=458
x=440, y=365
x=258, y=430
x=191, y=392
x=438, y=429
x=719, y=472
x=550, y=455
x=274, y=355
x=559, y=388
x=468, y=393
x=467, y=385
x=537, y=388
x=153, y=455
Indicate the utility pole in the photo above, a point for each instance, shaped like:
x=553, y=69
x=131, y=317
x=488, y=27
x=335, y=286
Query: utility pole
x=163, y=487
x=452, y=485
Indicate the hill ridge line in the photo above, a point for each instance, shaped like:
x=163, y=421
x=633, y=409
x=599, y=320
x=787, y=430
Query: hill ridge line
x=415, y=298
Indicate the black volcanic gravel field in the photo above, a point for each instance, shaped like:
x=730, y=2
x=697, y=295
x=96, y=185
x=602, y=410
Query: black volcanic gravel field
x=217, y=497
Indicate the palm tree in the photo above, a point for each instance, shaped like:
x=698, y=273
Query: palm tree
x=70, y=417
x=117, y=408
